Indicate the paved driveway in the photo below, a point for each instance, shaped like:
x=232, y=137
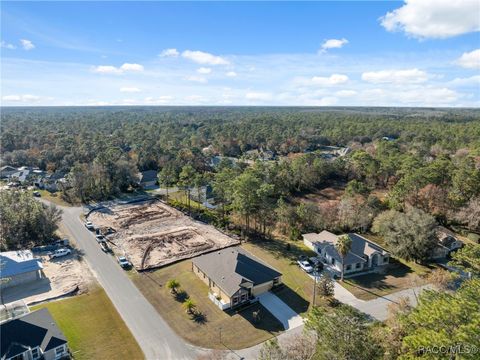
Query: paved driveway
x=289, y=318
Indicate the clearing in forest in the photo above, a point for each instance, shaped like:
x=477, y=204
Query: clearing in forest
x=153, y=234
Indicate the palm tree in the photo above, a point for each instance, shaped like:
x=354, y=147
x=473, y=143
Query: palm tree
x=343, y=246
x=173, y=285
x=189, y=305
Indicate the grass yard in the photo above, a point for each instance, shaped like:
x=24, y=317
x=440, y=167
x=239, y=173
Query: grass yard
x=55, y=198
x=399, y=276
x=93, y=327
x=237, y=329
x=299, y=286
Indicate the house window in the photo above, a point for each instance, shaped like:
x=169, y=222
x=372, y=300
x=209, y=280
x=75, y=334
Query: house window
x=358, y=265
x=243, y=298
x=385, y=260
x=59, y=351
x=235, y=300
x=35, y=353
x=349, y=267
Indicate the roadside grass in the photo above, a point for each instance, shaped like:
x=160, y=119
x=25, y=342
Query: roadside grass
x=237, y=329
x=93, y=327
x=400, y=275
x=298, y=292
x=55, y=198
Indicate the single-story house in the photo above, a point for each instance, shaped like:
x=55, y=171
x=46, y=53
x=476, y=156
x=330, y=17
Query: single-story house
x=52, y=182
x=148, y=179
x=447, y=242
x=364, y=256
x=33, y=336
x=19, y=267
x=234, y=276
x=6, y=171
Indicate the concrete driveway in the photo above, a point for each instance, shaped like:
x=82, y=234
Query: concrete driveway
x=289, y=318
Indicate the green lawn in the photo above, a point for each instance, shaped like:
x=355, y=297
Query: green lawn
x=298, y=292
x=237, y=329
x=93, y=327
x=55, y=198
x=400, y=275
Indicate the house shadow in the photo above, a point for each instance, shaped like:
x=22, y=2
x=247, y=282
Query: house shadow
x=281, y=249
x=263, y=321
x=291, y=298
x=19, y=292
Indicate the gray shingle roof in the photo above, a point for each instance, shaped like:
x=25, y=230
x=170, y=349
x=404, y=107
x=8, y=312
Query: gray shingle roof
x=34, y=329
x=230, y=267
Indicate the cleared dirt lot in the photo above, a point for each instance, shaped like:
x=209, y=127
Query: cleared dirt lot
x=61, y=276
x=153, y=234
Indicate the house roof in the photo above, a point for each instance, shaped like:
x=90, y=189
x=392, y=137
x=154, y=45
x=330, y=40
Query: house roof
x=360, y=246
x=18, y=262
x=231, y=267
x=148, y=175
x=29, y=331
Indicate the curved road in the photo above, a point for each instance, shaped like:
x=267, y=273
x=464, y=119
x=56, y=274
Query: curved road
x=152, y=333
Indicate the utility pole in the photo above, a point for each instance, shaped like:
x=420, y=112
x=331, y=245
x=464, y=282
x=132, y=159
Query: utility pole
x=315, y=273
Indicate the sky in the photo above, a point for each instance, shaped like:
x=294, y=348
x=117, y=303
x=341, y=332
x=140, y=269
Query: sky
x=377, y=53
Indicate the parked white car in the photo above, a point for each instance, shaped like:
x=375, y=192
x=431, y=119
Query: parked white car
x=100, y=238
x=305, y=265
x=89, y=225
x=124, y=263
x=60, y=252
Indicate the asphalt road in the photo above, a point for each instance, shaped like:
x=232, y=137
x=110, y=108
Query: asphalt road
x=152, y=333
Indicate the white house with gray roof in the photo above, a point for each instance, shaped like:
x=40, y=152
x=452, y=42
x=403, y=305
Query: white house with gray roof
x=19, y=267
x=364, y=256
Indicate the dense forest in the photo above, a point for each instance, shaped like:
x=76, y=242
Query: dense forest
x=425, y=163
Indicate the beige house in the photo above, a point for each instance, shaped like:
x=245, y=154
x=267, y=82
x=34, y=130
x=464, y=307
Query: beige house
x=364, y=256
x=234, y=276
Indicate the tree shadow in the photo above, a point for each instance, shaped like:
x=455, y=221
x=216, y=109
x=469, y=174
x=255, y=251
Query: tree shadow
x=291, y=298
x=199, y=318
x=280, y=248
x=181, y=296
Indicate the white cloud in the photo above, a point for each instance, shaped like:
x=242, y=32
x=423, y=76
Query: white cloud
x=109, y=69
x=27, y=44
x=333, y=44
x=131, y=67
x=204, y=58
x=130, y=89
x=6, y=45
x=199, y=79
x=434, y=18
x=204, y=70
x=22, y=98
x=346, y=93
x=169, y=53
x=334, y=79
x=412, y=76
x=473, y=80
x=327, y=101
x=258, y=96
x=231, y=74
x=470, y=60
x=161, y=100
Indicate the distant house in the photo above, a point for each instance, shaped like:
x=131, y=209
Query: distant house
x=234, y=276
x=52, y=182
x=19, y=267
x=364, y=256
x=33, y=336
x=148, y=179
x=6, y=171
x=447, y=242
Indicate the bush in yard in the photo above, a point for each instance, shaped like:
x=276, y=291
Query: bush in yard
x=189, y=306
x=173, y=285
x=325, y=286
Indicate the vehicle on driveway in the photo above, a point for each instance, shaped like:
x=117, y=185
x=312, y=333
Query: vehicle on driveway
x=316, y=263
x=305, y=265
x=124, y=263
x=89, y=226
x=105, y=247
x=59, y=253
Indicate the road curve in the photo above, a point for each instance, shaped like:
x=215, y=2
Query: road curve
x=154, y=336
